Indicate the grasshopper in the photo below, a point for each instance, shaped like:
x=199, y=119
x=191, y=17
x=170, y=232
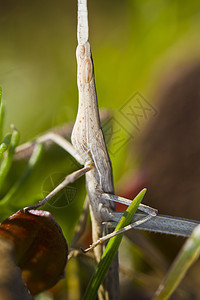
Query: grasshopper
x=89, y=149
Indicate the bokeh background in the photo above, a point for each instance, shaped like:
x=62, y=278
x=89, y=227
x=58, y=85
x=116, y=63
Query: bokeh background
x=145, y=52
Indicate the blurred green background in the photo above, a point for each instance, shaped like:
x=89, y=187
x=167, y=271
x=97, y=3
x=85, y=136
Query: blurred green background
x=134, y=44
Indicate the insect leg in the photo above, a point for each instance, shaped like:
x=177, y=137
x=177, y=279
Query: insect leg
x=57, y=139
x=147, y=209
x=68, y=179
x=114, y=233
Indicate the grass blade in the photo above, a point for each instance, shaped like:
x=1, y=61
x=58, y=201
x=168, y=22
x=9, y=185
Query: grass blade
x=7, y=161
x=4, y=145
x=1, y=115
x=188, y=254
x=111, y=249
x=29, y=169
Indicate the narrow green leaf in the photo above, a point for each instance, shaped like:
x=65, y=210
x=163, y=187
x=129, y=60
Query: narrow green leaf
x=111, y=249
x=4, y=145
x=188, y=255
x=7, y=160
x=1, y=115
x=29, y=169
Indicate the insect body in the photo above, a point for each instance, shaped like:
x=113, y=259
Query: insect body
x=87, y=137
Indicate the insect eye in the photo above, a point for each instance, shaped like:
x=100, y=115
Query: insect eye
x=87, y=70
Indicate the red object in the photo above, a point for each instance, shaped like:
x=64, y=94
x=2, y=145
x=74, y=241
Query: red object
x=130, y=186
x=40, y=247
